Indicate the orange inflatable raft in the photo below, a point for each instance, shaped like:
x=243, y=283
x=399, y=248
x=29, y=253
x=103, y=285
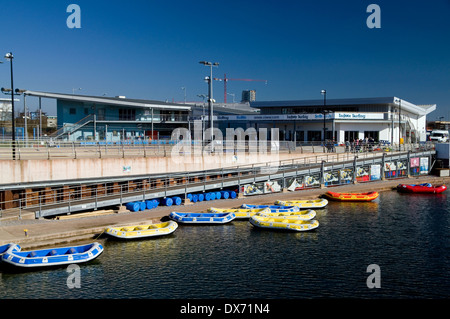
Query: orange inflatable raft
x=352, y=197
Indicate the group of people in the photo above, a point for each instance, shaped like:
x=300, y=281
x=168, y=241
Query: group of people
x=360, y=145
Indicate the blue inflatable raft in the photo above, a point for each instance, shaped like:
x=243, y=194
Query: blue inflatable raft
x=202, y=218
x=49, y=257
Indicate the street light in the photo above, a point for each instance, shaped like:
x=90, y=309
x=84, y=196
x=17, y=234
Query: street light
x=399, y=124
x=324, y=93
x=210, y=97
x=9, y=56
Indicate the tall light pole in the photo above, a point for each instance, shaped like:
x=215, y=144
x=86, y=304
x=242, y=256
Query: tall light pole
x=399, y=124
x=210, y=97
x=324, y=93
x=9, y=56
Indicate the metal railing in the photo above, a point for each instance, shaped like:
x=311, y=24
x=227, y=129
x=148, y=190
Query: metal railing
x=57, y=149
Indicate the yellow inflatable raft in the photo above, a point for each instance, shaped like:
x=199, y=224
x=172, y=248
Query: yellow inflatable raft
x=305, y=204
x=302, y=215
x=142, y=231
x=240, y=213
x=279, y=223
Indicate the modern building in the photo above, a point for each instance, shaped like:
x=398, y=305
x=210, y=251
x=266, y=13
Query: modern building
x=248, y=96
x=111, y=119
x=81, y=117
x=384, y=118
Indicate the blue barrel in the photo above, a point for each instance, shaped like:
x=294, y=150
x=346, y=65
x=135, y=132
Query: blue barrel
x=225, y=194
x=189, y=196
x=168, y=201
x=213, y=195
x=233, y=194
x=155, y=202
x=133, y=206
x=218, y=195
x=142, y=205
x=194, y=198
x=177, y=200
x=201, y=197
x=207, y=196
x=150, y=204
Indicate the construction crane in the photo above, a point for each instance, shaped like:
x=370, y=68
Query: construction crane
x=225, y=80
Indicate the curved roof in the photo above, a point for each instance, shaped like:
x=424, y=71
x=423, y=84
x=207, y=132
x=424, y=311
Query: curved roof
x=111, y=100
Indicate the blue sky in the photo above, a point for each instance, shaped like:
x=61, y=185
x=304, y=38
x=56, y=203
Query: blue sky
x=151, y=49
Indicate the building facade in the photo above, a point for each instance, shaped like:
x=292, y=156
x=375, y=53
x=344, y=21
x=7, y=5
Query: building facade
x=112, y=119
x=388, y=119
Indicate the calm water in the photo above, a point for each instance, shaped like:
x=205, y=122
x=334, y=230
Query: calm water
x=408, y=236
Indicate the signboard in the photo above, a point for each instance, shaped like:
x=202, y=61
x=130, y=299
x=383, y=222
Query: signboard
x=304, y=117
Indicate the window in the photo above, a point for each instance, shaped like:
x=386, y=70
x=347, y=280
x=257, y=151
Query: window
x=314, y=135
x=72, y=111
x=127, y=115
x=351, y=135
x=372, y=134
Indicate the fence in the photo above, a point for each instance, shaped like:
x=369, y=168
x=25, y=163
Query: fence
x=57, y=149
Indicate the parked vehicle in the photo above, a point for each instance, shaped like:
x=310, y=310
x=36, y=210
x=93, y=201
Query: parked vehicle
x=439, y=136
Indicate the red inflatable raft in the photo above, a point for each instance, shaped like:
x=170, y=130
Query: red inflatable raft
x=422, y=188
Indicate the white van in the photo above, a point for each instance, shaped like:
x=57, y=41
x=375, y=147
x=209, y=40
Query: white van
x=439, y=136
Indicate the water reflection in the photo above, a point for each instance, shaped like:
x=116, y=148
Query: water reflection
x=408, y=236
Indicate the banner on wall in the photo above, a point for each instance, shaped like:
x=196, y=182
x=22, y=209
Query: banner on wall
x=261, y=188
x=331, y=178
x=346, y=176
x=253, y=189
x=375, y=172
x=402, y=167
x=294, y=184
x=424, y=165
x=362, y=174
x=414, y=164
x=312, y=180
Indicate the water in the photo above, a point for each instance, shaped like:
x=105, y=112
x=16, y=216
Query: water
x=406, y=235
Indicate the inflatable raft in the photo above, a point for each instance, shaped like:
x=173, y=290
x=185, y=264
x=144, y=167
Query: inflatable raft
x=273, y=208
x=14, y=255
x=240, y=213
x=202, y=218
x=425, y=188
x=305, y=204
x=287, y=224
x=142, y=231
x=302, y=215
x=352, y=197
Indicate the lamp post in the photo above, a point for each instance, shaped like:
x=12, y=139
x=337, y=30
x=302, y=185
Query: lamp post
x=210, y=97
x=9, y=56
x=399, y=124
x=324, y=93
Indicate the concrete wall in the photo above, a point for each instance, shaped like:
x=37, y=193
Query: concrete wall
x=26, y=171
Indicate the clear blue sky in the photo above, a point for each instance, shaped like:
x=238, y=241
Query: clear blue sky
x=150, y=49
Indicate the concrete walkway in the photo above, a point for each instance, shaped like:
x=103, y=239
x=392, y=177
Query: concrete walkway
x=60, y=232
